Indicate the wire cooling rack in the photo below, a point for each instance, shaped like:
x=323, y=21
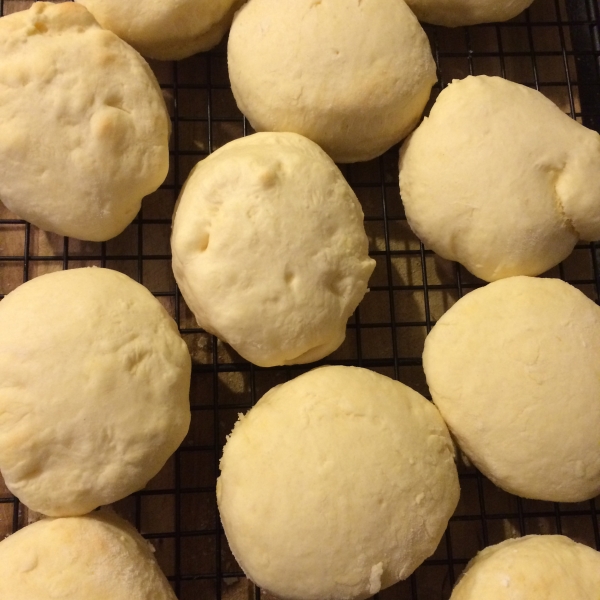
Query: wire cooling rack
x=554, y=47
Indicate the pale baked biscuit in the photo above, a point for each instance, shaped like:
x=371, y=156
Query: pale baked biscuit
x=548, y=567
x=85, y=129
x=455, y=13
x=166, y=29
x=514, y=368
x=269, y=248
x=96, y=557
x=94, y=383
x=354, y=77
x=336, y=485
x=499, y=179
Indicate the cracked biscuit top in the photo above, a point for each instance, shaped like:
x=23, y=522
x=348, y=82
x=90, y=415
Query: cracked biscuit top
x=499, y=179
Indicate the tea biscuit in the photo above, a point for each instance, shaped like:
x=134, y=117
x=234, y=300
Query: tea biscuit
x=354, y=77
x=94, y=558
x=551, y=567
x=94, y=384
x=85, y=129
x=336, y=485
x=456, y=13
x=166, y=29
x=269, y=248
x=514, y=368
x=499, y=179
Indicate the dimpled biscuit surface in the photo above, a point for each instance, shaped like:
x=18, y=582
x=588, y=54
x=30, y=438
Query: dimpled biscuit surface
x=269, y=248
x=85, y=129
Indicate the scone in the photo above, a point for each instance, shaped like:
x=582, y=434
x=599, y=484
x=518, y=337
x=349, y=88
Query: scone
x=96, y=557
x=336, y=485
x=166, y=29
x=269, y=248
x=455, y=13
x=85, y=129
x=499, y=179
x=548, y=567
x=94, y=384
x=354, y=77
x=514, y=368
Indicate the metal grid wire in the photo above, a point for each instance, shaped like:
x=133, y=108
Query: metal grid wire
x=553, y=47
